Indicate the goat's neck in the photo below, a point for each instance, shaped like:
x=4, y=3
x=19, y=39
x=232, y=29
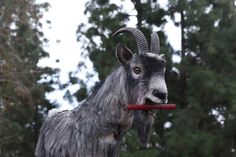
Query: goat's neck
x=112, y=92
x=110, y=102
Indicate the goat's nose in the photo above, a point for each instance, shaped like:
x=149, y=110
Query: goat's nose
x=159, y=94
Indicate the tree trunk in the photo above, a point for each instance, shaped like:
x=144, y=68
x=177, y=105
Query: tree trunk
x=183, y=70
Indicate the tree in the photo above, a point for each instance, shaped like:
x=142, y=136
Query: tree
x=22, y=96
x=206, y=88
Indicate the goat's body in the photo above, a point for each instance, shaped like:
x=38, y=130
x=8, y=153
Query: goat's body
x=94, y=129
x=97, y=126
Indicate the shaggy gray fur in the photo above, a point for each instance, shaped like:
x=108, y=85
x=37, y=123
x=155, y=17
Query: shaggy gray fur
x=97, y=126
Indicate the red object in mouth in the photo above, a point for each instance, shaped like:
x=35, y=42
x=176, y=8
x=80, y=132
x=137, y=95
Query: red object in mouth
x=152, y=107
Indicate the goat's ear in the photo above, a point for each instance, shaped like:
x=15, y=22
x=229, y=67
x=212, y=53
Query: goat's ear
x=123, y=53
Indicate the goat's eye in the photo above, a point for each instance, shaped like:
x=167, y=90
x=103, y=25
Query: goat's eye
x=137, y=70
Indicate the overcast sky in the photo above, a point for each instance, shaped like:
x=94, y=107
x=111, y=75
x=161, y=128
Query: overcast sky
x=65, y=16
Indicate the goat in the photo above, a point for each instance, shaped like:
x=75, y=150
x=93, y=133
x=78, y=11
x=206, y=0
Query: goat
x=97, y=126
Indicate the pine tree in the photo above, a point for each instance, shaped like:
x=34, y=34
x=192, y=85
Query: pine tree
x=206, y=92
x=22, y=97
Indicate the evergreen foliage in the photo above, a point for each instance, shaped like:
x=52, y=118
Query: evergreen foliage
x=22, y=97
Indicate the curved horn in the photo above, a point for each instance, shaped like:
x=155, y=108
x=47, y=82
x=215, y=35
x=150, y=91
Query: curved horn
x=138, y=36
x=155, y=43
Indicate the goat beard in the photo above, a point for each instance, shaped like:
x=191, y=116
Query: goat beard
x=143, y=122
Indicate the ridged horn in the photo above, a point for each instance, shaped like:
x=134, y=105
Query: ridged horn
x=155, y=43
x=138, y=36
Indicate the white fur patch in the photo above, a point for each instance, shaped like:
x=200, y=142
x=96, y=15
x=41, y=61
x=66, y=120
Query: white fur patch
x=54, y=111
x=108, y=139
x=157, y=83
x=157, y=56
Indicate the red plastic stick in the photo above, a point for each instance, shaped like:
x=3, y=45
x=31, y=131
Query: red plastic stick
x=152, y=107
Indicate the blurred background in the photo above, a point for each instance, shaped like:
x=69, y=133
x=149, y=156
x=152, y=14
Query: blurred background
x=197, y=38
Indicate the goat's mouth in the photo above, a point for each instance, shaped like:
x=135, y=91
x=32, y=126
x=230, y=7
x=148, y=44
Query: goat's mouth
x=150, y=102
